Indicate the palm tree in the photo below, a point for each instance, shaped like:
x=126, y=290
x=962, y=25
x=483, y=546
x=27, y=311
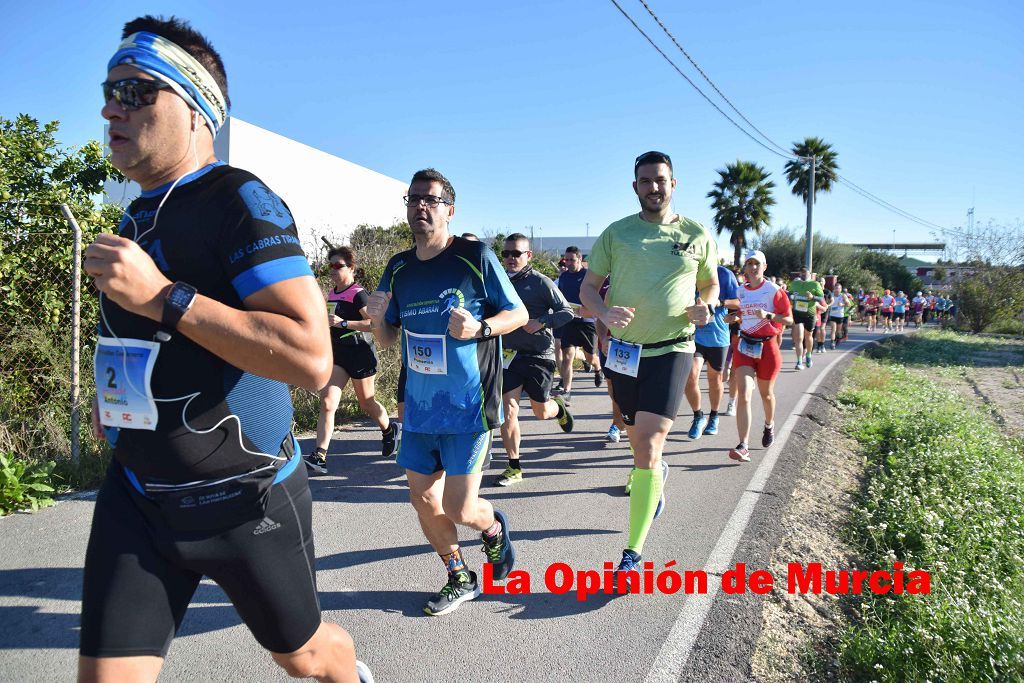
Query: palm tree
x=741, y=199
x=825, y=167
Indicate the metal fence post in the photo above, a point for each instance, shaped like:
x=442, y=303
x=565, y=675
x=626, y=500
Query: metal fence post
x=76, y=325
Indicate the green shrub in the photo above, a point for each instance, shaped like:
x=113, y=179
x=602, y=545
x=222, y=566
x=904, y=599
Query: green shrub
x=24, y=486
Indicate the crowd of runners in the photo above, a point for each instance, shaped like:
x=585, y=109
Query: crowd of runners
x=209, y=311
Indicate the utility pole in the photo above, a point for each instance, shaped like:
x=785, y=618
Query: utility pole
x=809, y=236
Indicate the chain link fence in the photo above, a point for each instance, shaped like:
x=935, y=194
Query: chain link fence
x=41, y=318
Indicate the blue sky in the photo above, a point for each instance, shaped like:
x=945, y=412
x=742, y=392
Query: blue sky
x=535, y=110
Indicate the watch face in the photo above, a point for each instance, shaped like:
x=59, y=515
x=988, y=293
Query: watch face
x=180, y=297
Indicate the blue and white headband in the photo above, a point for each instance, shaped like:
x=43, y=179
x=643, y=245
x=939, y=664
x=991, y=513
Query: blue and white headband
x=162, y=59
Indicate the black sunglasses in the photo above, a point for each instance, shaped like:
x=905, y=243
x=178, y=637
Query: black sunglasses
x=132, y=93
x=513, y=252
x=428, y=199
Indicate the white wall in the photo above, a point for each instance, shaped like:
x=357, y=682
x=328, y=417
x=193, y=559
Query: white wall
x=326, y=194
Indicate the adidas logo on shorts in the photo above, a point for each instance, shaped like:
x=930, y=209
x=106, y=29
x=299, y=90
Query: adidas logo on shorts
x=265, y=526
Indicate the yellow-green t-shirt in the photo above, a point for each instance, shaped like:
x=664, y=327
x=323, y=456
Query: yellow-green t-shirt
x=655, y=269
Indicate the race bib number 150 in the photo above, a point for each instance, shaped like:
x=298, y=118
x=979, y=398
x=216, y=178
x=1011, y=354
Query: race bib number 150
x=427, y=353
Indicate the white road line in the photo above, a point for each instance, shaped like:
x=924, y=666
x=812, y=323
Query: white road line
x=678, y=646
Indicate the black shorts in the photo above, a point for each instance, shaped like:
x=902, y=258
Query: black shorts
x=535, y=375
x=400, y=389
x=140, y=575
x=358, y=360
x=886, y=314
x=898, y=316
x=806, y=319
x=836, y=320
x=715, y=356
x=578, y=332
x=658, y=387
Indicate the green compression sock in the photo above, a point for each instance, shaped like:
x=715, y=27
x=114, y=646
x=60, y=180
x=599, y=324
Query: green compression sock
x=643, y=501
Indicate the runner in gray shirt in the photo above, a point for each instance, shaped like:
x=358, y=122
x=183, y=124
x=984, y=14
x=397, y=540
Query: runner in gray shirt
x=529, y=352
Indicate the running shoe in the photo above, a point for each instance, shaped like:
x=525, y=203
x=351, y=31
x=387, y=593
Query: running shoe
x=613, y=434
x=511, y=475
x=629, y=481
x=799, y=365
x=630, y=563
x=565, y=422
x=768, y=438
x=499, y=550
x=598, y=378
x=712, y=427
x=317, y=461
x=364, y=673
x=740, y=453
x=664, y=479
x=389, y=440
x=697, y=426
x=730, y=410
x=567, y=397
x=461, y=586
x=807, y=360
x=587, y=366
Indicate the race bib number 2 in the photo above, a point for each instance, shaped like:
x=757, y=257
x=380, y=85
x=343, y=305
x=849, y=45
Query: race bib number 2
x=624, y=357
x=427, y=353
x=123, y=371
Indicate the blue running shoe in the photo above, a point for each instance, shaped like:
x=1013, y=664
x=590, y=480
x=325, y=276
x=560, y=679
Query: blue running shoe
x=697, y=427
x=664, y=478
x=630, y=563
x=712, y=427
x=500, y=552
x=613, y=434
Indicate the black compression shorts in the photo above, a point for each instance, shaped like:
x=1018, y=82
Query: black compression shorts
x=808, y=320
x=359, y=361
x=535, y=375
x=400, y=389
x=715, y=356
x=578, y=332
x=140, y=575
x=658, y=387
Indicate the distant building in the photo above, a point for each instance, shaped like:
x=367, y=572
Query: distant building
x=558, y=245
x=327, y=195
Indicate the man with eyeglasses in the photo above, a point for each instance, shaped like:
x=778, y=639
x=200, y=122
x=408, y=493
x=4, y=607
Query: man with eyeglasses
x=580, y=332
x=657, y=261
x=208, y=311
x=528, y=354
x=448, y=301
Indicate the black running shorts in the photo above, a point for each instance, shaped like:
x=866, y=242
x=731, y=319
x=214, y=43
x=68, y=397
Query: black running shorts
x=140, y=575
x=400, y=389
x=533, y=374
x=837, y=320
x=805, y=319
x=658, y=387
x=578, y=332
x=359, y=361
x=715, y=356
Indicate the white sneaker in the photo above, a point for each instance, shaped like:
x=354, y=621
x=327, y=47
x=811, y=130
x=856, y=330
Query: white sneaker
x=730, y=410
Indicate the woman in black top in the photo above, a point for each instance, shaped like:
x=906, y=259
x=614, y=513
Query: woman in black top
x=354, y=358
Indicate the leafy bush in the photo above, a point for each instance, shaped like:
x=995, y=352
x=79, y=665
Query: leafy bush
x=24, y=486
x=945, y=494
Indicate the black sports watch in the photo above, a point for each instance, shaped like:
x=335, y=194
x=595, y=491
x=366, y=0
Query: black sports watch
x=179, y=299
x=485, y=330
x=344, y=324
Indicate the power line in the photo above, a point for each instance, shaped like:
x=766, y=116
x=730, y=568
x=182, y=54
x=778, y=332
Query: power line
x=694, y=85
x=785, y=153
x=710, y=82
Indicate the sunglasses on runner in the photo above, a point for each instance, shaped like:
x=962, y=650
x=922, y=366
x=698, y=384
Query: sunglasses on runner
x=132, y=93
x=428, y=200
x=515, y=253
x=338, y=265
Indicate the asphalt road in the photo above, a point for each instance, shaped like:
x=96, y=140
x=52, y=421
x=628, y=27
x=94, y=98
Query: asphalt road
x=375, y=569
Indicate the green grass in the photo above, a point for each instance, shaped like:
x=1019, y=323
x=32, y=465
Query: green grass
x=944, y=493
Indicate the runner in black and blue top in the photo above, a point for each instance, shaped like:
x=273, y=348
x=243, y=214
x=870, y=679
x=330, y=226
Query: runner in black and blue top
x=712, y=346
x=208, y=310
x=447, y=301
